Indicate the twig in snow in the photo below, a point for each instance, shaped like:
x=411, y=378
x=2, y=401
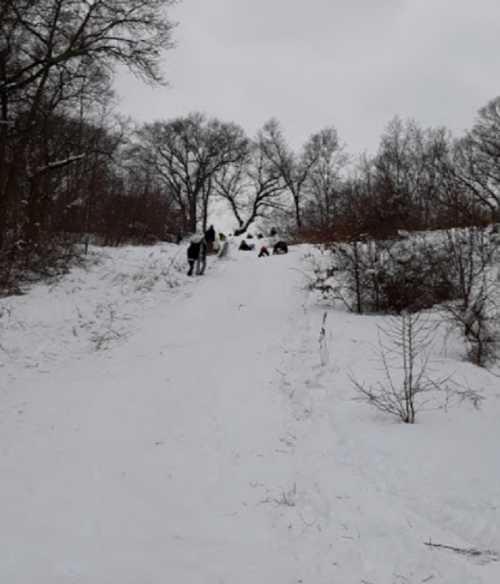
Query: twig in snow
x=323, y=345
x=483, y=555
x=288, y=498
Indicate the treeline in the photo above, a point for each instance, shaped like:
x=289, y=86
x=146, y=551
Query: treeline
x=62, y=155
x=72, y=171
x=419, y=179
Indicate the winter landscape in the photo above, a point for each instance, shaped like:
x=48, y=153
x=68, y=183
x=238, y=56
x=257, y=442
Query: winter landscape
x=239, y=352
x=156, y=427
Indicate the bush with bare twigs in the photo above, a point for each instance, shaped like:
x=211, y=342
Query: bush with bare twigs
x=405, y=345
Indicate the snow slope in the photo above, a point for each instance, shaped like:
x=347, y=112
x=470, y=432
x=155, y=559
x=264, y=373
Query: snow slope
x=187, y=432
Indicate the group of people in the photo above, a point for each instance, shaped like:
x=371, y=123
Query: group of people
x=197, y=251
x=197, y=254
x=202, y=244
x=277, y=245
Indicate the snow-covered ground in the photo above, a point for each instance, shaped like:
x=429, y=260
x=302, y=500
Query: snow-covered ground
x=156, y=428
x=92, y=308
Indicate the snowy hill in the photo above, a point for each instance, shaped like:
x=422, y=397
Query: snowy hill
x=158, y=428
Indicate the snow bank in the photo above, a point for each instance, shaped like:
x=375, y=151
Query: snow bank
x=217, y=438
x=90, y=309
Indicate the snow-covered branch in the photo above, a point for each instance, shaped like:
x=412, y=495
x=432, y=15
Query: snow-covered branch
x=55, y=164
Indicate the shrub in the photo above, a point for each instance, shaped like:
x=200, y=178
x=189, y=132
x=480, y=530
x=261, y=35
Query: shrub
x=405, y=346
x=410, y=274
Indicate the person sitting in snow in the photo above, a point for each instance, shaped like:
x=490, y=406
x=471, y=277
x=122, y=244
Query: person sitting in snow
x=244, y=246
x=197, y=254
x=280, y=247
x=263, y=251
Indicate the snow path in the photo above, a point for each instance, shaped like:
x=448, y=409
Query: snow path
x=148, y=462
x=210, y=447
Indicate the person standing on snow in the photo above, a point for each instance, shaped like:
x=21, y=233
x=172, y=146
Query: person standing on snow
x=223, y=246
x=210, y=238
x=197, y=254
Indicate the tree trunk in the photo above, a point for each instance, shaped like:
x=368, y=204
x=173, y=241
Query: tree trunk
x=193, y=215
x=3, y=153
x=298, y=218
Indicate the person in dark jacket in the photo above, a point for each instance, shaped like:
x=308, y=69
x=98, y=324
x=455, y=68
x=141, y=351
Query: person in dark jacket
x=197, y=254
x=280, y=247
x=210, y=238
x=244, y=246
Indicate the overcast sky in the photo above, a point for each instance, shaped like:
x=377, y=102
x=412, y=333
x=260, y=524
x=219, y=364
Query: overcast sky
x=353, y=64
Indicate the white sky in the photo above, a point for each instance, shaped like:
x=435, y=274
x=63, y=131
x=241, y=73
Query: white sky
x=351, y=63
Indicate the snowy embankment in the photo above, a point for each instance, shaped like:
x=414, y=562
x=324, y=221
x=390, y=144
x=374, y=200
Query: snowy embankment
x=155, y=428
x=90, y=309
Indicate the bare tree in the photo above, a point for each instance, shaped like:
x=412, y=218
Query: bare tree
x=251, y=188
x=413, y=182
x=406, y=177
x=471, y=254
x=293, y=169
x=49, y=37
x=405, y=345
x=324, y=183
x=51, y=53
x=480, y=326
x=478, y=158
x=187, y=154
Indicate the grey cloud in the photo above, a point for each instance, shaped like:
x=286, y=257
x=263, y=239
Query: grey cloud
x=353, y=64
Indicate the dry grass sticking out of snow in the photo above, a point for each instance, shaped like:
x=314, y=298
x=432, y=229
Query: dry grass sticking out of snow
x=374, y=500
x=90, y=309
x=256, y=465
